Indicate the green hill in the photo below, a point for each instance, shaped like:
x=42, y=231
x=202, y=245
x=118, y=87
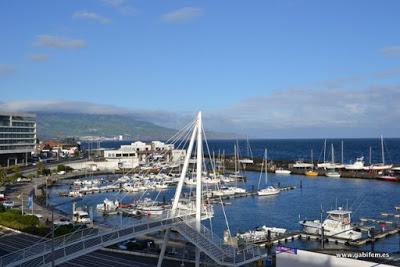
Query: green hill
x=59, y=125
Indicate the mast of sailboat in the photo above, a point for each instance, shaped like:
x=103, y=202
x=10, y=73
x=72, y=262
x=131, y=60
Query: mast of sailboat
x=370, y=155
x=234, y=149
x=342, y=153
x=383, y=151
x=312, y=157
x=324, y=150
x=266, y=166
x=333, y=154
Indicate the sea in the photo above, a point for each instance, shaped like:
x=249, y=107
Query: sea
x=297, y=149
x=311, y=200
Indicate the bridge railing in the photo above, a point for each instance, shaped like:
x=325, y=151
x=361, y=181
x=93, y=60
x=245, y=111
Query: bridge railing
x=68, y=240
x=227, y=253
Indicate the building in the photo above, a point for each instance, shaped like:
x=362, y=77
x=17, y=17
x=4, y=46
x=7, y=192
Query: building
x=143, y=152
x=17, y=138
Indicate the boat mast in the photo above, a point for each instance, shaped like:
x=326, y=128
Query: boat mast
x=234, y=151
x=266, y=166
x=370, y=155
x=383, y=151
x=333, y=154
x=324, y=150
x=342, y=152
x=312, y=157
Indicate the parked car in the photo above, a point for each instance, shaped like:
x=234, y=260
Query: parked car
x=8, y=204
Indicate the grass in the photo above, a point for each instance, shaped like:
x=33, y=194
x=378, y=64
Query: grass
x=13, y=218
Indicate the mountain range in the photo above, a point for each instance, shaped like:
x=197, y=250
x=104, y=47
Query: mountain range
x=61, y=125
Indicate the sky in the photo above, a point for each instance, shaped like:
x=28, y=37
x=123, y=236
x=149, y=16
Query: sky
x=274, y=69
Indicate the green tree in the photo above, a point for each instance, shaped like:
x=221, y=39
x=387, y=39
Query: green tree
x=16, y=170
x=3, y=175
x=40, y=168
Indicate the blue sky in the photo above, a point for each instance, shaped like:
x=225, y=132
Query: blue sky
x=235, y=60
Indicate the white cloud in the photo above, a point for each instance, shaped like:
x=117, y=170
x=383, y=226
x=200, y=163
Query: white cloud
x=6, y=69
x=59, y=42
x=182, y=14
x=60, y=106
x=292, y=109
x=122, y=6
x=91, y=16
x=285, y=113
x=39, y=57
x=391, y=51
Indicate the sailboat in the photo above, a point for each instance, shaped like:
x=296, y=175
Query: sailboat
x=380, y=166
x=311, y=172
x=249, y=159
x=269, y=190
x=333, y=173
x=236, y=175
x=325, y=164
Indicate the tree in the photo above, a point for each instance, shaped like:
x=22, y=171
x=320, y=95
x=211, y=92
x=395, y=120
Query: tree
x=40, y=168
x=3, y=175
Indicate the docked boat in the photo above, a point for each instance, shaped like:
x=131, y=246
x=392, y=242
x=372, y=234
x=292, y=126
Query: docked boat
x=356, y=166
x=380, y=166
x=337, y=224
x=75, y=194
x=261, y=233
x=269, y=190
x=149, y=207
x=390, y=178
x=311, y=173
x=186, y=206
x=108, y=206
x=130, y=187
x=282, y=171
x=80, y=216
x=333, y=174
x=151, y=210
x=303, y=165
x=249, y=158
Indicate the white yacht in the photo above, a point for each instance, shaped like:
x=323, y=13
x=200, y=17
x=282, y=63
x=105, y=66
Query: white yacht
x=337, y=224
x=282, y=171
x=356, y=166
x=270, y=190
x=301, y=164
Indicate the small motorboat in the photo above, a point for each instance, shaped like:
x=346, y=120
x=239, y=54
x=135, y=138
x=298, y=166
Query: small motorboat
x=337, y=224
x=333, y=174
x=311, y=173
x=282, y=171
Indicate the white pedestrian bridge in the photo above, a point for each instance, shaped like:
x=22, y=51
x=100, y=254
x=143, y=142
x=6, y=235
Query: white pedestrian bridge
x=82, y=242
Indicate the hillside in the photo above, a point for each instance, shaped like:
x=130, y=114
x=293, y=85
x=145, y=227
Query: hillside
x=59, y=125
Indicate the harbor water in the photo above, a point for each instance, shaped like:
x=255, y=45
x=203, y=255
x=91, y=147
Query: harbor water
x=366, y=198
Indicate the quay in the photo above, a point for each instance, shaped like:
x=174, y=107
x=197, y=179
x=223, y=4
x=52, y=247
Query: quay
x=298, y=235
